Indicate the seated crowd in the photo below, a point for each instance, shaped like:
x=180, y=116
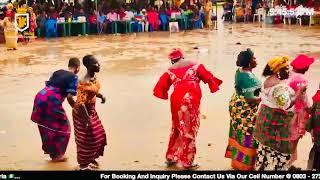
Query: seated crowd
x=103, y=20
x=234, y=10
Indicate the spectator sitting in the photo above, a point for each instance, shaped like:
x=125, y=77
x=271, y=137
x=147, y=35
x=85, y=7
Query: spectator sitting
x=79, y=13
x=41, y=22
x=129, y=14
x=92, y=18
x=145, y=23
x=122, y=17
x=122, y=14
x=153, y=19
x=227, y=12
x=53, y=14
x=195, y=16
x=112, y=17
x=169, y=11
x=92, y=21
x=102, y=21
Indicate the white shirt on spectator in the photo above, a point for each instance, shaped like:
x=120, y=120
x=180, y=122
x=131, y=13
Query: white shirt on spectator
x=129, y=15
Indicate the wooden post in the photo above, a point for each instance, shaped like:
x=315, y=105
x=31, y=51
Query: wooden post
x=216, y=14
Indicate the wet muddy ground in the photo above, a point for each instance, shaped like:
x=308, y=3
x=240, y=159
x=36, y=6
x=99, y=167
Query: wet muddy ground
x=138, y=124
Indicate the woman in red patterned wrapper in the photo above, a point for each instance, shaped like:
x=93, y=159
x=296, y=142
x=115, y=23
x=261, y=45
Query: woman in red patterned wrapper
x=185, y=100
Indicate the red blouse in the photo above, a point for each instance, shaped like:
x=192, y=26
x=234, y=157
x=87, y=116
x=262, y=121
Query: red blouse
x=185, y=79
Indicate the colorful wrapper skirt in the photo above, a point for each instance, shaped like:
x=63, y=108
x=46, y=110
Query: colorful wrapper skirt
x=90, y=139
x=52, y=121
x=269, y=159
x=241, y=145
x=272, y=131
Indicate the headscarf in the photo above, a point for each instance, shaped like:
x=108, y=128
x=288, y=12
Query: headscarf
x=278, y=63
x=9, y=6
x=302, y=61
x=176, y=54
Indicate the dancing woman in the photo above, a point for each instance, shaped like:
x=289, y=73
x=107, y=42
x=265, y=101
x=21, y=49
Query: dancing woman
x=273, y=124
x=49, y=114
x=90, y=135
x=185, y=76
x=297, y=80
x=243, y=108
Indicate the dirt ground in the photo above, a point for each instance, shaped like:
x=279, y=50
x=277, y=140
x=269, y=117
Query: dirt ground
x=138, y=124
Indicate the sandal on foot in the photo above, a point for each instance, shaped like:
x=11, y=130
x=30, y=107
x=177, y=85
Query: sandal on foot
x=59, y=159
x=94, y=165
x=192, y=167
x=88, y=168
x=293, y=168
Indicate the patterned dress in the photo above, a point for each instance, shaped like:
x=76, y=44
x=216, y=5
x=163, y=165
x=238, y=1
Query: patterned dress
x=301, y=116
x=296, y=81
x=185, y=102
x=241, y=145
x=90, y=137
x=10, y=34
x=49, y=114
x=314, y=125
x=273, y=128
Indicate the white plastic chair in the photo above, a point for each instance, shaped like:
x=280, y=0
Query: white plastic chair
x=259, y=13
x=285, y=18
x=310, y=20
x=299, y=20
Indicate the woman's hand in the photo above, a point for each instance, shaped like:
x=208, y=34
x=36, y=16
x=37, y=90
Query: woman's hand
x=71, y=100
x=85, y=113
x=103, y=99
x=301, y=91
x=254, y=101
x=312, y=136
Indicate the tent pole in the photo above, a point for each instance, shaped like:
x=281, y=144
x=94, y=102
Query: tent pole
x=97, y=11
